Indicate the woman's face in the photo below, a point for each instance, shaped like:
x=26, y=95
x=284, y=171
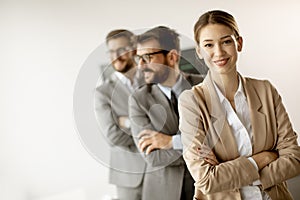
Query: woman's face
x=219, y=48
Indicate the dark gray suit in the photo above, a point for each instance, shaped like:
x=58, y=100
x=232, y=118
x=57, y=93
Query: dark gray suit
x=126, y=164
x=166, y=173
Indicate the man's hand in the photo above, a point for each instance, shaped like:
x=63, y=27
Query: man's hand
x=264, y=158
x=207, y=154
x=150, y=140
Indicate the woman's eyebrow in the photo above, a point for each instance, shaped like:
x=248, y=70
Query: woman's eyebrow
x=209, y=40
x=226, y=36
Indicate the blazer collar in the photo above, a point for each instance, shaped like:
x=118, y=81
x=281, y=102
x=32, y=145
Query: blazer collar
x=119, y=86
x=156, y=96
x=181, y=84
x=211, y=97
x=220, y=127
x=138, y=81
x=218, y=115
x=252, y=96
x=258, y=119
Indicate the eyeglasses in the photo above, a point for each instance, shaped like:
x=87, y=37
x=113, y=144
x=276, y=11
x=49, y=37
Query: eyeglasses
x=120, y=51
x=147, y=57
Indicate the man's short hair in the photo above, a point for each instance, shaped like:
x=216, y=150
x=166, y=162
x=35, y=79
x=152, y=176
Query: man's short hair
x=114, y=34
x=166, y=37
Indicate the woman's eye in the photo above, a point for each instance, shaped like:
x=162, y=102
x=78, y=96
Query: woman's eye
x=208, y=45
x=227, y=42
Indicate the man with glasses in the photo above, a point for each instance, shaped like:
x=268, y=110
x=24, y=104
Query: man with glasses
x=154, y=115
x=111, y=103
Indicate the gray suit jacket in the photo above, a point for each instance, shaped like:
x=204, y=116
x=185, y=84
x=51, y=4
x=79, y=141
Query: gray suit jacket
x=149, y=108
x=126, y=164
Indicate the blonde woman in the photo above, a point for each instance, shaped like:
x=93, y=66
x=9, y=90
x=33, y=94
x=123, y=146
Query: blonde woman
x=238, y=140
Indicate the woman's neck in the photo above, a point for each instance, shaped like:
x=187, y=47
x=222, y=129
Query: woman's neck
x=228, y=83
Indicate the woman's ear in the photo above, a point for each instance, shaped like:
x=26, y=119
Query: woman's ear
x=198, y=52
x=239, y=43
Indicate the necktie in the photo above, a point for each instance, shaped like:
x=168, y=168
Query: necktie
x=174, y=103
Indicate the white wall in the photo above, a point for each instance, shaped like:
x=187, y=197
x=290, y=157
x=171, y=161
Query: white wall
x=43, y=47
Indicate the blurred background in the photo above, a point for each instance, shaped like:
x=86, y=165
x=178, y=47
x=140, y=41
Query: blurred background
x=48, y=50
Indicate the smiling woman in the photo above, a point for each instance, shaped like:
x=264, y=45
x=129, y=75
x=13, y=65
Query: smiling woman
x=242, y=120
x=50, y=57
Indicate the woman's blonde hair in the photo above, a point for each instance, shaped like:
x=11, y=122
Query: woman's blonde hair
x=215, y=17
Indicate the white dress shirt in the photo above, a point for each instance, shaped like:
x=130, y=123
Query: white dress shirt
x=125, y=81
x=241, y=127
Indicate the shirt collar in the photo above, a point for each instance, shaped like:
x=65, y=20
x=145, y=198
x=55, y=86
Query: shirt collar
x=124, y=79
x=240, y=91
x=167, y=90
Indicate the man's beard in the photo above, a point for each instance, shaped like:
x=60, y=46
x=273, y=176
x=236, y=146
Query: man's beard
x=129, y=65
x=160, y=78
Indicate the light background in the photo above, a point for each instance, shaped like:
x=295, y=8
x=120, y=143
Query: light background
x=43, y=45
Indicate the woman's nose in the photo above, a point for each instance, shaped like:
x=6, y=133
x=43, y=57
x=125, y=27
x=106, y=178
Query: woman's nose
x=218, y=50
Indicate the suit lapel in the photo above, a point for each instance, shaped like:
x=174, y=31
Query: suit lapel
x=181, y=85
x=120, y=94
x=157, y=97
x=184, y=85
x=119, y=86
x=258, y=119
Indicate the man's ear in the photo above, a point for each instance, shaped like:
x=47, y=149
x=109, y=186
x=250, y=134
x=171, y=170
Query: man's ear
x=198, y=52
x=132, y=52
x=240, y=44
x=173, y=57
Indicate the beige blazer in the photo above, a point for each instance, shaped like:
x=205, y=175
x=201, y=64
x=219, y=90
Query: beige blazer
x=202, y=120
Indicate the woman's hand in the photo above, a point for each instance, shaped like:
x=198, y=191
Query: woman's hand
x=207, y=154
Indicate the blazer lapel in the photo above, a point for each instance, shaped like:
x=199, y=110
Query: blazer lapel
x=220, y=130
x=258, y=119
x=170, y=124
x=119, y=86
x=215, y=108
x=120, y=94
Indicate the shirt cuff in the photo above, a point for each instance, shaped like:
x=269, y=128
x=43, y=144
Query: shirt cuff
x=176, y=141
x=257, y=182
x=253, y=162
